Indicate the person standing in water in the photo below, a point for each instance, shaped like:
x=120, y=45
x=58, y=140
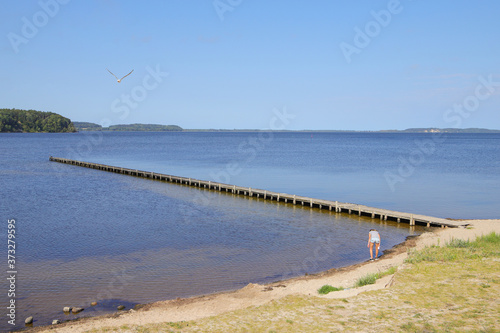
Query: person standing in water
x=373, y=238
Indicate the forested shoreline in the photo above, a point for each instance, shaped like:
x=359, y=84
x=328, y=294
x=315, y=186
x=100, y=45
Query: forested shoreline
x=32, y=121
x=86, y=126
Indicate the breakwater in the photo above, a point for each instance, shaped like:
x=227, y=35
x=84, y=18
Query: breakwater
x=338, y=207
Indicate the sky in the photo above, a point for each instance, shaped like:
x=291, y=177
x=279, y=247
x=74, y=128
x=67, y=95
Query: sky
x=241, y=64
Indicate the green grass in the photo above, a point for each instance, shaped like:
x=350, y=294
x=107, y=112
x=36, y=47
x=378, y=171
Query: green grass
x=365, y=280
x=327, y=289
x=372, y=277
x=389, y=271
x=484, y=246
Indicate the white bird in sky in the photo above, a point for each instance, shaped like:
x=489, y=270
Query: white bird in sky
x=117, y=79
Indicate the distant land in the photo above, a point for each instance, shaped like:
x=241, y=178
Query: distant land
x=443, y=130
x=84, y=126
x=409, y=130
x=31, y=121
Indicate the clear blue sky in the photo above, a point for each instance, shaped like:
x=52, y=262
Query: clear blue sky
x=362, y=65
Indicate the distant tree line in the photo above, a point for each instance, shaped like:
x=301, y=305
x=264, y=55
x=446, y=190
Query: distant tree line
x=31, y=121
x=84, y=126
x=444, y=130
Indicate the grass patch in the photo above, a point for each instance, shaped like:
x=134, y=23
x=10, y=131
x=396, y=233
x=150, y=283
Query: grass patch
x=484, y=246
x=328, y=289
x=459, y=243
x=390, y=271
x=366, y=280
x=372, y=277
x=489, y=245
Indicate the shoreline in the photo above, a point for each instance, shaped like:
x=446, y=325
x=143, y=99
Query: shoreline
x=198, y=307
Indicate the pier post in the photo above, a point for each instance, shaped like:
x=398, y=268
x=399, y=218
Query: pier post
x=294, y=199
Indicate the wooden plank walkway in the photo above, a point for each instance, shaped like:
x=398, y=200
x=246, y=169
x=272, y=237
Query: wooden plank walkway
x=339, y=207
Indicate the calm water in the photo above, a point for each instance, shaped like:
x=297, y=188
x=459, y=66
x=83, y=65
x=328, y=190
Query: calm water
x=85, y=235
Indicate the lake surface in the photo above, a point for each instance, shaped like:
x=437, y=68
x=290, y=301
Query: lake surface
x=84, y=235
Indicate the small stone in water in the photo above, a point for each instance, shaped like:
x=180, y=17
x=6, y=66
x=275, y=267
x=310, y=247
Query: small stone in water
x=77, y=310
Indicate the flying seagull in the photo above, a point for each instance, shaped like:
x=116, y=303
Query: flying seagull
x=117, y=79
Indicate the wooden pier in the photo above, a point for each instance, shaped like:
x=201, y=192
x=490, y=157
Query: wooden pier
x=339, y=207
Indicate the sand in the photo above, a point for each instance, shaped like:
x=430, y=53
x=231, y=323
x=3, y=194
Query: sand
x=255, y=294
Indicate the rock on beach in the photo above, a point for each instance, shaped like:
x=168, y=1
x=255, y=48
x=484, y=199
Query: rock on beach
x=77, y=310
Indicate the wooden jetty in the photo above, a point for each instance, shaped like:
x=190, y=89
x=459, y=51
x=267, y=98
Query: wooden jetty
x=339, y=207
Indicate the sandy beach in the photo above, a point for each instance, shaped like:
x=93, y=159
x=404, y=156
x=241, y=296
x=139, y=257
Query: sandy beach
x=255, y=294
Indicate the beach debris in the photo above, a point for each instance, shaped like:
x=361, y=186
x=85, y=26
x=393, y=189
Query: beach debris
x=77, y=310
x=93, y=304
x=121, y=307
x=269, y=288
x=28, y=320
x=56, y=322
x=67, y=309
